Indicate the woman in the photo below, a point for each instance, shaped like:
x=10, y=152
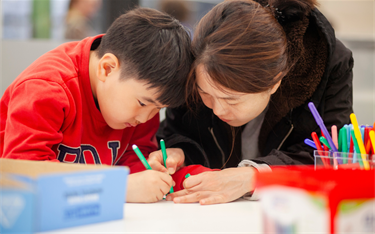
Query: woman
x=257, y=65
x=79, y=17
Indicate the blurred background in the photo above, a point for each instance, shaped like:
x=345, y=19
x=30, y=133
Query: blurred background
x=29, y=28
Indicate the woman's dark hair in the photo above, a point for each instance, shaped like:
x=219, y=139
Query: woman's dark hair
x=153, y=47
x=242, y=44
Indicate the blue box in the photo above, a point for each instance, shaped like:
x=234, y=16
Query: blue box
x=17, y=201
x=68, y=195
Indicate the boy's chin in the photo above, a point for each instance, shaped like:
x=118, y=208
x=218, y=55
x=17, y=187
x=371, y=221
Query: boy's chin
x=117, y=126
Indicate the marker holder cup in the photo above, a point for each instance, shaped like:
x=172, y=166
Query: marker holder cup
x=338, y=160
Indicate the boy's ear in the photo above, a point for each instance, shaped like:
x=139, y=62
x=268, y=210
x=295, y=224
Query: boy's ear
x=108, y=64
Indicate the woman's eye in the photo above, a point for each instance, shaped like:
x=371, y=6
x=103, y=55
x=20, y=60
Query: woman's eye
x=232, y=104
x=141, y=103
x=201, y=92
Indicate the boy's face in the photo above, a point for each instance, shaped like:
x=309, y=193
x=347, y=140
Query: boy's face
x=126, y=103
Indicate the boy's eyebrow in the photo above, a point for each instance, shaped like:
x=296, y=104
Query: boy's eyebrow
x=234, y=97
x=147, y=99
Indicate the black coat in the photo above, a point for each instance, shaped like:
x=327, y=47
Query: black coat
x=322, y=74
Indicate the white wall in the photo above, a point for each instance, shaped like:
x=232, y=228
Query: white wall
x=16, y=55
x=351, y=18
x=354, y=24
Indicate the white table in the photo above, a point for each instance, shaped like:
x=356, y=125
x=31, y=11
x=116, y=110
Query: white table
x=241, y=216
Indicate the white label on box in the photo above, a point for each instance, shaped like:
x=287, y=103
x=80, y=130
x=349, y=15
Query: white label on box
x=76, y=181
x=83, y=199
x=356, y=216
x=292, y=210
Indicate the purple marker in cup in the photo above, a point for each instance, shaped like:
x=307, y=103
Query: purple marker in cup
x=320, y=123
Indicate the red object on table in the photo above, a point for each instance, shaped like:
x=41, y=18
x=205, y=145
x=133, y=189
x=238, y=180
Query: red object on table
x=179, y=176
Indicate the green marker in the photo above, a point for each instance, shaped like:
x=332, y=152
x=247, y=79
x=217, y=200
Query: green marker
x=324, y=141
x=164, y=152
x=141, y=157
x=344, y=143
x=187, y=175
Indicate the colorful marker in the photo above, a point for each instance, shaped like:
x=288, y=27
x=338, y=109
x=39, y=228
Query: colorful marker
x=319, y=148
x=334, y=135
x=358, y=137
x=372, y=139
x=164, y=152
x=324, y=141
x=320, y=123
x=310, y=143
x=141, y=157
x=343, y=143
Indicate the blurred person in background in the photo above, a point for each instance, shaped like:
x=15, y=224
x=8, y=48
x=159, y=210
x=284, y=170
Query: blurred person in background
x=79, y=18
x=178, y=9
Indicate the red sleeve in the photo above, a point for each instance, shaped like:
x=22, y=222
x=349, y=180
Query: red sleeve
x=36, y=112
x=144, y=138
x=179, y=176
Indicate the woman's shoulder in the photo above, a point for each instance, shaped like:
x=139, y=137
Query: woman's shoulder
x=336, y=47
x=342, y=56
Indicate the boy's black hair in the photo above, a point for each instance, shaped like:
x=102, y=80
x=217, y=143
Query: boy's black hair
x=153, y=47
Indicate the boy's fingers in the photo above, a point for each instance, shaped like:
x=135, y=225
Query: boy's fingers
x=156, y=165
x=155, y=159
x=171, y=165
x=165, y=189
x=167, y=179
x=175, y=159
x=171, y=170
x=171, y=196
x=156, y=156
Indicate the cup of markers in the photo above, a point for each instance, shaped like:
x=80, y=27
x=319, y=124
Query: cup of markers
x=351, y=147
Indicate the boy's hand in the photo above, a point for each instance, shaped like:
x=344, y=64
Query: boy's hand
x=148, y=186
x=216, y=186
x=175, y=160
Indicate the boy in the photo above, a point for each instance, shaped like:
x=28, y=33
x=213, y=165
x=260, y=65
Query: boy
x=89, y=101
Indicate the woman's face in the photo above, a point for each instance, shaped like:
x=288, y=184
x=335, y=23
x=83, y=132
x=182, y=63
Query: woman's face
x=230, y=106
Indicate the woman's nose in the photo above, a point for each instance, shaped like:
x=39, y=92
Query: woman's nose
x=218, y=108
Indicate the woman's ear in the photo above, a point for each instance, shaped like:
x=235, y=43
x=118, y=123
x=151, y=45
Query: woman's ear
x=277, y=85
x=108, y=64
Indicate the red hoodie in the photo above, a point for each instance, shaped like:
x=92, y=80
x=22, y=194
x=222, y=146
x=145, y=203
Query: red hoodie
x=49, y=113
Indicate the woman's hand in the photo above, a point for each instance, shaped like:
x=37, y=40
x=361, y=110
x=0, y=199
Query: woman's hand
x=175, y=160
x=148, y=186
x=216, y=186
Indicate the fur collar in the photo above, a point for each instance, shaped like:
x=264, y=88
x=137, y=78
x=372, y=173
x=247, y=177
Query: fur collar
x=308, y=47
